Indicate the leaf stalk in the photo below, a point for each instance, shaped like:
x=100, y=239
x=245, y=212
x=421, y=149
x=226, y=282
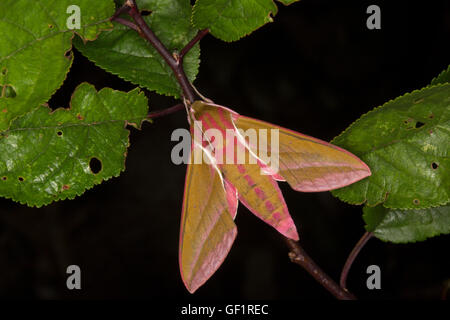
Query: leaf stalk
x=351, y=258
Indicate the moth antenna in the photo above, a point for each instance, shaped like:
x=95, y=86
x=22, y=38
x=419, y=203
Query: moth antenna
x=200, y=95
x=187, y=106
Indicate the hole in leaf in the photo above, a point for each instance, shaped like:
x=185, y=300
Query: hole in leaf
x=8, y=92
x=409, y=123
x=145, y=12
x=431, y=116
x=95, y=165
x=419, y=124
x=50, y=26
x=416, y=202
x=4, y=178
x=434, y=165
x=21, y=179
x=59, y=133
x=4, y=71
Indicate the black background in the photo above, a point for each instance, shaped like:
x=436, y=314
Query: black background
x=316, y=69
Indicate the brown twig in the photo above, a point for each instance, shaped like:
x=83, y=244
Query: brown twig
x=192, y=43
x=171, y=60
x=300, y=257
x=165, y=112
x=124, y=9
x=351, y=258
x=127, y=23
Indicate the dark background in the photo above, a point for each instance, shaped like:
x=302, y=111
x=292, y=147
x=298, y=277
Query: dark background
x=316, y=69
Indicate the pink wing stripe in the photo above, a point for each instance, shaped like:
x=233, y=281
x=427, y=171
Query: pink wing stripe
x=232, y=198
x=284, y=224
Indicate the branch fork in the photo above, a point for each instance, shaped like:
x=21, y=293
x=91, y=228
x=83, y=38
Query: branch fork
x=174, y=60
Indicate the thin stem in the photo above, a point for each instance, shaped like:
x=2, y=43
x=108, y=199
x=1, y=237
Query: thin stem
x=351, y=258
x=127, y=23
x=165, y=112
x=123, y=9
x=300, y=257
x=173, y=62
x=192, y=43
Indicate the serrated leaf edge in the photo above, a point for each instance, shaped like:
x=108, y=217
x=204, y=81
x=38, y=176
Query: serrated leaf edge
x=384, y=105
x=39, y=103
x=122, y=169
x=271, y=15
x=406, y=241
x=436, y=79
x=346, y=200
x=158, y=91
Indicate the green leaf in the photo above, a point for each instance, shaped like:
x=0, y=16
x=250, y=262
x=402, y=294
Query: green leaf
x=47, y=156
x=230, y=20
x=401, y=226
x=35, y=45
x=443, y=77
x=124, y=53
x=287, y=2
x=406, y=145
